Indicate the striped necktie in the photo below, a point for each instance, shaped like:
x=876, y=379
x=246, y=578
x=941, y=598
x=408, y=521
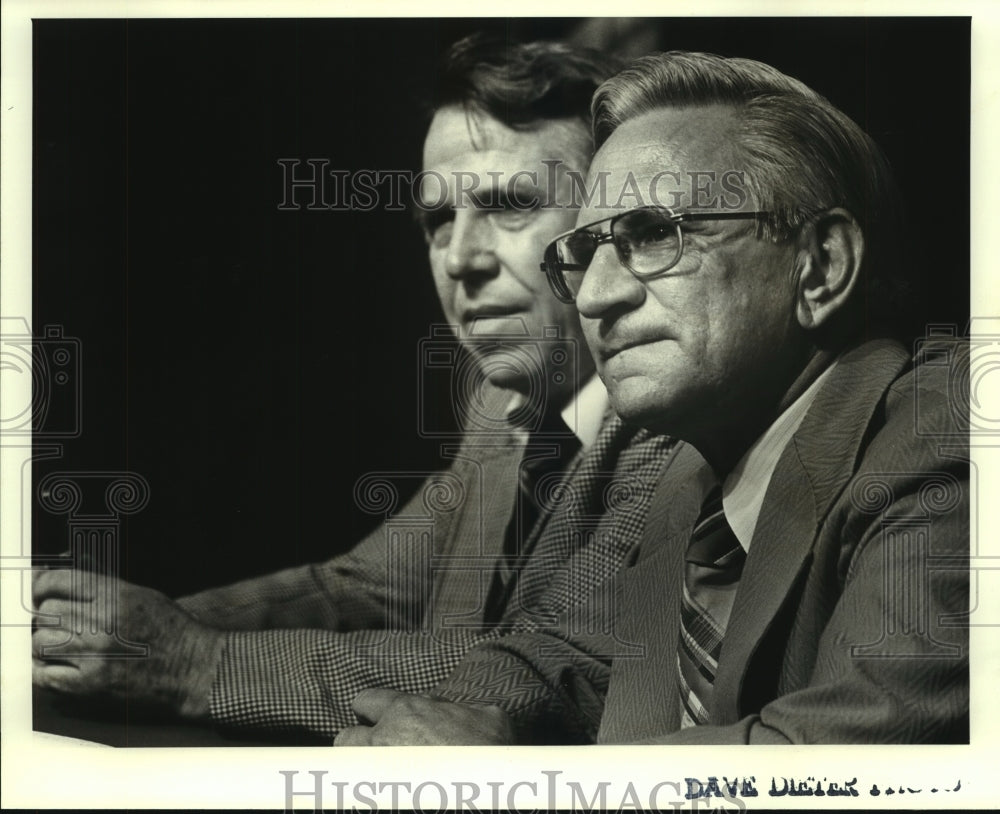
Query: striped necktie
x=712, y=569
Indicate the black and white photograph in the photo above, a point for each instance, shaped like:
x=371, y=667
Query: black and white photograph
x=575, y=388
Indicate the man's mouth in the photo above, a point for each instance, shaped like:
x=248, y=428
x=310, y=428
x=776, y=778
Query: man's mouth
x=489, y=312
x=611, y=349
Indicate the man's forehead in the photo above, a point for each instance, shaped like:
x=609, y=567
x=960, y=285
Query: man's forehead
x=676, y=157
x=675, y=138
x=457, y=136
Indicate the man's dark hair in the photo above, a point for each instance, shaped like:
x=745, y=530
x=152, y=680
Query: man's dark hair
x=520, y=85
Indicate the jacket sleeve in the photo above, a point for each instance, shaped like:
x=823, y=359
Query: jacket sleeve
x=307, y=679
x=550, y=681
x=352, y=591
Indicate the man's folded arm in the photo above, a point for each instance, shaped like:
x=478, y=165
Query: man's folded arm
x=336, y=595
x=351, y=591
x=307, y=679
x=550, y=681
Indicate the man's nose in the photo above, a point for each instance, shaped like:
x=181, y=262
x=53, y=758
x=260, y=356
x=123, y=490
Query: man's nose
x=607, y=286
x=471, y=246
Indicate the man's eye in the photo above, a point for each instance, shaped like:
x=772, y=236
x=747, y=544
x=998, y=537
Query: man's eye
x=653, y=233
x=644, y=228
x=644, y=235
x=511, y=218
x=437, y=226
x=441, y=236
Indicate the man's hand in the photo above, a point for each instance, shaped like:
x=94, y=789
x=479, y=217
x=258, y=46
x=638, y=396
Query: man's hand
x=175, y=676
x=400, y=719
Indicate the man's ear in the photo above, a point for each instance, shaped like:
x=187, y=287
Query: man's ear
x=830, y=253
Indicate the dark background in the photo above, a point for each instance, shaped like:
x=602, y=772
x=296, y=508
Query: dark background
x=251, y=364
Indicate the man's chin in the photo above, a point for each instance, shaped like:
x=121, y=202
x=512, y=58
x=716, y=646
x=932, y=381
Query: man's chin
x=638, y=403
x=543, y=371
x=497, y=327
x=512, y=365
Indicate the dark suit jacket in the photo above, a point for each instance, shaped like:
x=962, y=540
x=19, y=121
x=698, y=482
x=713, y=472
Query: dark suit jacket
x=401, y=608
x=848, y=621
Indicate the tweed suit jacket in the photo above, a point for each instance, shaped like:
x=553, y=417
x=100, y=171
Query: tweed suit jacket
x=464, y=510
x=304, y=642
x=848, y=620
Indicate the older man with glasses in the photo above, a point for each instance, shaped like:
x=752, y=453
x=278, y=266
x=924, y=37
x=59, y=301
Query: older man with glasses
x=803, y=573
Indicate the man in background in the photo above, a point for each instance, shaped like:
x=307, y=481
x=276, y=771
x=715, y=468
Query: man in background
x=521, y=526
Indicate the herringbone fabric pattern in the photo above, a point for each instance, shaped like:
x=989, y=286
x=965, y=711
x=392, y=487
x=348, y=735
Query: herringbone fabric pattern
x=570, y=523
x=548, y=460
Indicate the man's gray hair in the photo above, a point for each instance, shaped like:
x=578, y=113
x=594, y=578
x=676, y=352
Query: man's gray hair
x=802, y=155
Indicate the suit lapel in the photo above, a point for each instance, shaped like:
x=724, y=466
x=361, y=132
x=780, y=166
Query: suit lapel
x=812, y=471
x=788, y=525
x=555, y=507
x=474, y=540
x=649, y=607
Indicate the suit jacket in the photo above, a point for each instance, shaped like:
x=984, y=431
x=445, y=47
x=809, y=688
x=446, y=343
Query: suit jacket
x=848, y=620
x=406, y=603
x=459, y=513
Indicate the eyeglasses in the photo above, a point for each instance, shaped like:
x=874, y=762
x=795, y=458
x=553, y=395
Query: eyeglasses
x=648, y=240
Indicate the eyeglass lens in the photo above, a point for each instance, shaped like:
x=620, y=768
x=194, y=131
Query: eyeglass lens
x=647, y=241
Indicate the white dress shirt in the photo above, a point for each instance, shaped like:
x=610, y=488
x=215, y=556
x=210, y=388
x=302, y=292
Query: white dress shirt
x=584, y=414
x=743, y=490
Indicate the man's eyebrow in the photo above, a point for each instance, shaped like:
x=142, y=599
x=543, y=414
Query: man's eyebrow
x=522, y=196
x=426, y=216
x=498, y=196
